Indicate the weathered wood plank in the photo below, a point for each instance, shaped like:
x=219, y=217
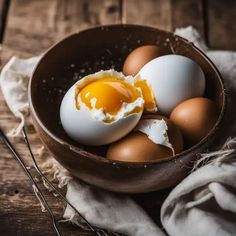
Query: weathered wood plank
x=185, y=13
x=4, y=4
x=33, y=26
x=156, y=13
x=21, y=220
x=20, y=212
x=221, y=24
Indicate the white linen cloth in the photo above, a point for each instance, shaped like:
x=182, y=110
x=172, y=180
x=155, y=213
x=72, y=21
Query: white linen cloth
x=202, y=204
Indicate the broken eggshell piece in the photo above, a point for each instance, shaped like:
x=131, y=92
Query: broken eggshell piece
x=156, y=131
x=138, y=147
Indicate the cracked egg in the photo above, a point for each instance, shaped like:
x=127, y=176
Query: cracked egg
x=101, y=108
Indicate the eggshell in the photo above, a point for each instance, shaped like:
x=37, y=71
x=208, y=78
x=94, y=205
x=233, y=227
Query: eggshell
x=83, y=128
x=139, y=57
x=173, y=79
x=195, y=117
x=137, y=147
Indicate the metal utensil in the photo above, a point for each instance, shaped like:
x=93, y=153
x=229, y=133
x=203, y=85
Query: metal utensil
x=35, y=186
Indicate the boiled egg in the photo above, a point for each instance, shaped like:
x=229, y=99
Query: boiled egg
x=171, y=80
x=139, y=57
x=195, y=117
x=101, y=108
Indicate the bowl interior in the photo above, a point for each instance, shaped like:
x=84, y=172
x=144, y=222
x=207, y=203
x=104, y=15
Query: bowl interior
x=97, y=49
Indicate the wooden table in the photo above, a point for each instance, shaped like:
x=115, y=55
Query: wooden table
x=32, y=26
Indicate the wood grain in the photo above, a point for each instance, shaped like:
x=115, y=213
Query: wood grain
x=4, y=5
x=21, y=213
x=33, y=26
x=186, y=13
x=221, y=24
x=156, y=13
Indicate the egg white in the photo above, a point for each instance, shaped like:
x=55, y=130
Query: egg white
x=87, y=126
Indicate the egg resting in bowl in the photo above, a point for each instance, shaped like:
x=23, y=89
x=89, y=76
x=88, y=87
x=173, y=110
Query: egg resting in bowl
x=101, y=108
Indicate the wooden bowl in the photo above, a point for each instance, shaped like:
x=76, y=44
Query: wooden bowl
x=106, y=47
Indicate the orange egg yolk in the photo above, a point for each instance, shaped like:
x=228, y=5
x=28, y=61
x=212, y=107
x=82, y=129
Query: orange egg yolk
x=109, y=94
x=149, y=100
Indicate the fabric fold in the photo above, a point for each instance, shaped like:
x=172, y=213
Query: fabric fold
x=204, y=202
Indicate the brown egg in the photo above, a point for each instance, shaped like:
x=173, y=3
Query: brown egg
x=139, y=57
x=137, y=147
x=195, y=117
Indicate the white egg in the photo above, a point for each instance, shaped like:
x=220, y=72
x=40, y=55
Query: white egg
x=87, y=125
x=173, y=79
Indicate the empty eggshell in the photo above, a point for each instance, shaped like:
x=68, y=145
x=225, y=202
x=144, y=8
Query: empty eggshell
x=195, y=117
x=139, y=57
x=173, y=79
x=137, y=147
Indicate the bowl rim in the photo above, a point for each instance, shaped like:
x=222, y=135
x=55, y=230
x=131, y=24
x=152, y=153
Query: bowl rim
x=103, y=159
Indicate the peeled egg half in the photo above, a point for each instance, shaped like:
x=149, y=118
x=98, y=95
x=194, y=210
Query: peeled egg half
x=172, y=79
x=101, y=108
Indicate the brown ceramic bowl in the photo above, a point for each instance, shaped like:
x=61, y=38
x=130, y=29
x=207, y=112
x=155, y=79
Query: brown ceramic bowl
x=103, y=48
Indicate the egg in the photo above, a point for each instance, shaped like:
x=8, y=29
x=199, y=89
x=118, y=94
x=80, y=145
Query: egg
x=139, y=57
x=101, y=108
x=139, y=146
x=172, y=79
x=195, y=117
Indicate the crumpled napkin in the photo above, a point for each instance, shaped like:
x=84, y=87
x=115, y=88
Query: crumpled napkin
x=14, y=83
x=202, y=204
